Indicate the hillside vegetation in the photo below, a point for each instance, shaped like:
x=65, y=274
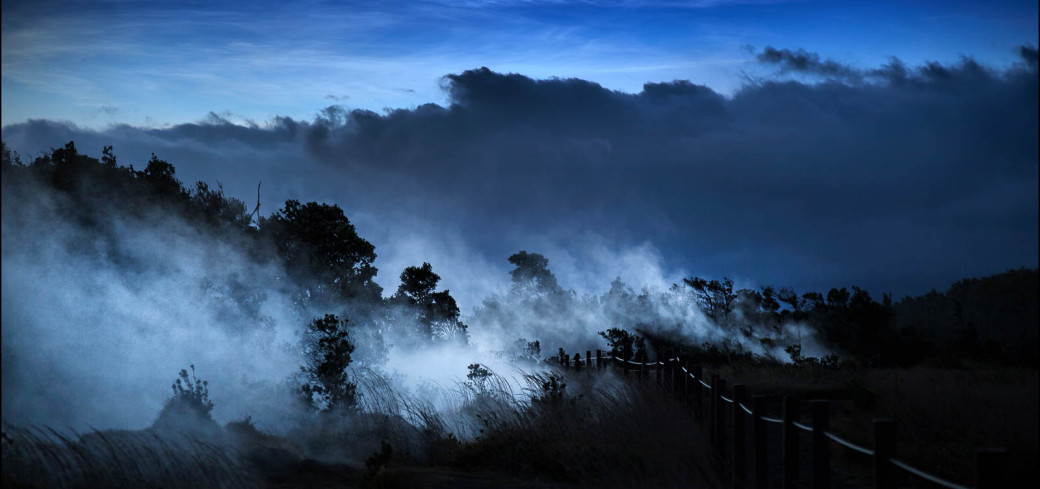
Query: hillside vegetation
x=933, y=362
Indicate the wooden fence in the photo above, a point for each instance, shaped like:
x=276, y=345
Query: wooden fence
x=688, y=381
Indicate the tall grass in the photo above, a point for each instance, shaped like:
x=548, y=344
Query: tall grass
x=556, y=427
x=572, y=428
x=45, y=458
x=597, y=431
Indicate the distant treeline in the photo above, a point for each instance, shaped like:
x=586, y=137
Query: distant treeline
x=330, y=268
x=991, y=319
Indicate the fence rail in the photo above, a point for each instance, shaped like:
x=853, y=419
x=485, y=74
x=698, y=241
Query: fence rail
x=989, y=463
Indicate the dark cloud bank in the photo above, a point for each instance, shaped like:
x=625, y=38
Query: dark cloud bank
x=897, y=179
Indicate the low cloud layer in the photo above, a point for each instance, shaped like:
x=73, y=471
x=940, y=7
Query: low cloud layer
x=896, y=178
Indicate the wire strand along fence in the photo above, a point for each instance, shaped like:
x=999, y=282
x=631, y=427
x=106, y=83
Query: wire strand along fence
x=689, y=383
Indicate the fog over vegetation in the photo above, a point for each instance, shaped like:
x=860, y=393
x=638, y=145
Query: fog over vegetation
x=111, y=281
x=403, y=288
x=114, y=278
x=116, y=274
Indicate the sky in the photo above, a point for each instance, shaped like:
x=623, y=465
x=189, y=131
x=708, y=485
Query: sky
x=161, y=63
x=890, y=145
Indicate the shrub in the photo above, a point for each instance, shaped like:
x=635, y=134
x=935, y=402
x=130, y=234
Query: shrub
x=189, y=409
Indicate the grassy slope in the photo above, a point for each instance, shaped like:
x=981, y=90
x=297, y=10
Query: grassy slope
x=595, y=432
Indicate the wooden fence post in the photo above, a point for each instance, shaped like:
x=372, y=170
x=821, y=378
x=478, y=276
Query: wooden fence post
x=686, y=383
x=669, y=371
x=713, y=397
x=680, y=387
x=790, y=443
x=624, y=362
x=674, y=371
x=884, y=450
x=625, y=353
x=739, y=436
x=588, y=361
x=599, y=359
x=990, y=466
x=657, y=369
x=821, y=411
x=720, y=418
x=563, y=358
x=758, y=407
x=698, y=407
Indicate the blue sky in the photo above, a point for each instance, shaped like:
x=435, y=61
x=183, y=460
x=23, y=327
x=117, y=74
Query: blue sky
x=159, y=63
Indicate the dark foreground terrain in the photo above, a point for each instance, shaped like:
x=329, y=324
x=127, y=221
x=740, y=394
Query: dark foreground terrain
x=630, y=434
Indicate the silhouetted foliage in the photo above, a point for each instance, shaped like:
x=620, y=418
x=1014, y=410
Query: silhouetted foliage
x=529, y=351
x=327, y=349
x=535, y=301
x=826, y=361
x=532, y=272
x=189, y=408
x=8, y=159
x=478, y=377
x=321, y=249
x=215, y=208
x=623, y=344
x=980, y=319
x=159, y=174
x=552, y=392
x=100, y=186
x=435, y=313
x=715, y=298
x=193, y=391
x=991, y=319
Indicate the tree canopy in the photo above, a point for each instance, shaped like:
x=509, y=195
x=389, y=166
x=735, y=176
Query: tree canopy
x=436, y=313
x=532, y=271
x=322, y=250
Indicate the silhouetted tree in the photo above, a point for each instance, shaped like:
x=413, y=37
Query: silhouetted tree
x=160, y=175
x=532, y=271
x=436, y=313
x=215, y=208
x=623, y=344
x=715, y=298
x=856, y=324
x=989, y=318
x=327, y=349
x=796, y=306
x=771, y=307
x=321, y=249
x=527, y=351
x=8, y=158
x=838, y=298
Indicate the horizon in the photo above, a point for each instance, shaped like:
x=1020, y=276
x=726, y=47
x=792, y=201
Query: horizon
x=454, y=198
x=802, y=144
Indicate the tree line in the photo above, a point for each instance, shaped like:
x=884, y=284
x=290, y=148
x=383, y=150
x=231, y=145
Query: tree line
x=330, y=268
